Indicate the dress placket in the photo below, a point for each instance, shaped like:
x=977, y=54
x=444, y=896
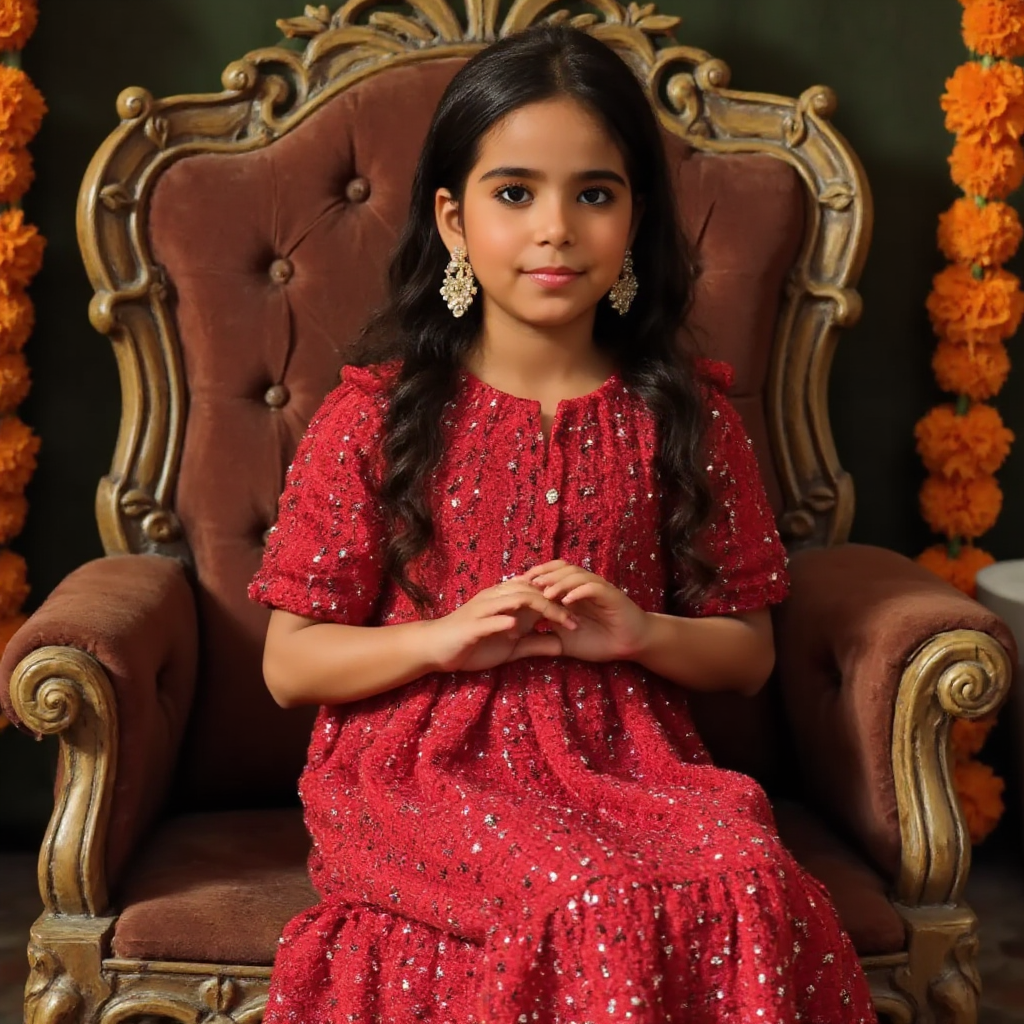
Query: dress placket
x=553, y=488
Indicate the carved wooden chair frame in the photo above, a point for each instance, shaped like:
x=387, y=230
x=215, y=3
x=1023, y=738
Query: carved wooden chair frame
x=63, y=691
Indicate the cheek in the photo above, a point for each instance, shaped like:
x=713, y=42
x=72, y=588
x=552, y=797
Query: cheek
x=495, y=243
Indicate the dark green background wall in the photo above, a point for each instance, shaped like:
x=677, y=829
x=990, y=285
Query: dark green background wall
x=887, y=61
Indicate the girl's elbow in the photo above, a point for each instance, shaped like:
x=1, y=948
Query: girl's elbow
x=760, y=671
x=277, y=682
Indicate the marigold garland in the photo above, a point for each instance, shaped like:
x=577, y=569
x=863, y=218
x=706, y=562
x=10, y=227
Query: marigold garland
x=974, y=307
x=21, y=252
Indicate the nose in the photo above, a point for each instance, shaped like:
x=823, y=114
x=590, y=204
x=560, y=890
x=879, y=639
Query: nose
x=554, y=225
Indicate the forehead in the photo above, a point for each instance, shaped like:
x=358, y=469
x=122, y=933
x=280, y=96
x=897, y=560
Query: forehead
x=551, y=134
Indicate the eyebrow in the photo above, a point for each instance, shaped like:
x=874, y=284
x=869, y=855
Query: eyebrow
x=598, y=174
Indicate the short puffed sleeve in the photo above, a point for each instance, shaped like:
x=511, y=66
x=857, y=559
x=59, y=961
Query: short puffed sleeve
x=741, y=540
x=323, y=556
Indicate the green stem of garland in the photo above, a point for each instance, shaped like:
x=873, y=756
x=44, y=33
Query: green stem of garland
x=954, y=546
x=963, y=405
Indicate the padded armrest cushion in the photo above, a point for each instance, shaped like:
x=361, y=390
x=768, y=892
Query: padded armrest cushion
x=136, y=615
x=855, y=617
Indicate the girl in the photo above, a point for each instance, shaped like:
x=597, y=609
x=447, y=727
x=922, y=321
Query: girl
x=513, y=537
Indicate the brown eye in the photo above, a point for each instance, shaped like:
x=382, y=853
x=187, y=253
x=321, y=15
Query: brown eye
x=513, y=195
x=596, y=197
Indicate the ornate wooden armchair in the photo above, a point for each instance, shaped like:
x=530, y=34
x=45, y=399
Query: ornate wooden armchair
x=235, y=242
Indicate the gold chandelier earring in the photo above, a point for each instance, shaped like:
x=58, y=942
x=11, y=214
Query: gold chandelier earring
x=459, y=283
x=623, y=292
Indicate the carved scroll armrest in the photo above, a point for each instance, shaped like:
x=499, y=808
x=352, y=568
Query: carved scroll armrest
x=874, y=655
x=108, y=664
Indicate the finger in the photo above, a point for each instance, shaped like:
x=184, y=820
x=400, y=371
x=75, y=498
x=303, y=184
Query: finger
x=537, y=645
x=531, y=597
x=557, y=589
x=547, y=578
x=495, y=624
x=588, y=591
x=556, y=563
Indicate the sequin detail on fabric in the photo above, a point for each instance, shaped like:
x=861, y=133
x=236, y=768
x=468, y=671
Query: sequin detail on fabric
x=547, y=841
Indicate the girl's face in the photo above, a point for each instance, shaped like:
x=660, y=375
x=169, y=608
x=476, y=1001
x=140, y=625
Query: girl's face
x=546, y=215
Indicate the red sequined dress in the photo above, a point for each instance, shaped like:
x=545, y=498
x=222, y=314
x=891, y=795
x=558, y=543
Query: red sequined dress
x=547, y=841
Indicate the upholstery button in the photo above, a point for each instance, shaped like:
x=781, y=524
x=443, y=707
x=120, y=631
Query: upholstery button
x=281, y=271
x=357, y=190
x=276, y=396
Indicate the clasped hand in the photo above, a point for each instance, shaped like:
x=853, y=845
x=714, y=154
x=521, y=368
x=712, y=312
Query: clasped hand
x=588, y=618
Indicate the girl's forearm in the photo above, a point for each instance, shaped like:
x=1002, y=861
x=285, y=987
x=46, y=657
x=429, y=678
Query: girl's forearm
x=714, y=653
x=328, y=663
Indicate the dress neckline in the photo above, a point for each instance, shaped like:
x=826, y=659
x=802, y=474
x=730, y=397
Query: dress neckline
x=473, y=383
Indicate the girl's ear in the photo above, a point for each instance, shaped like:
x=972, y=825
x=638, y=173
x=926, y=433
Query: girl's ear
x=449, y=220
x=638, y=212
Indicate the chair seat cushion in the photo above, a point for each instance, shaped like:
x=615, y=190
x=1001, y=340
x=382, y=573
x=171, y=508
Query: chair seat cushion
x=219, y=888
x=215, y=888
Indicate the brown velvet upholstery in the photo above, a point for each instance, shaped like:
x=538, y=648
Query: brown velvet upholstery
x=219, y=888
x=855, y=617
x=136, y=615
x=275, y=258
x=215, y=888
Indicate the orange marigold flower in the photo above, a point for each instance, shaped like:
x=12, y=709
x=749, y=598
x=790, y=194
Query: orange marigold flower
x=994, y=28
x=21, y=107
x=961, y=508
x=21, y=250
x=967, y=736
x=14, y=381
x=16, y=174
x=978, y=371
x=961, y=447
x=987, y=169
x=18, y=448
x=13, y=511
x=960, y=571
x=17, y=319
x=18, y=20
x=987, y=235
x=13, y=583
x=980, y=791
x=965, y=309
x=985, y=102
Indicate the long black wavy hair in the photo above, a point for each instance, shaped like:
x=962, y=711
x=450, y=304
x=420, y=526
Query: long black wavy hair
x=415, y=327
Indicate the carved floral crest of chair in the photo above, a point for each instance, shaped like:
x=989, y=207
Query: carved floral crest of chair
x=236, y=241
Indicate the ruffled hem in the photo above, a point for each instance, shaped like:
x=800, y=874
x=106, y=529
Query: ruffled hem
x=619, y=949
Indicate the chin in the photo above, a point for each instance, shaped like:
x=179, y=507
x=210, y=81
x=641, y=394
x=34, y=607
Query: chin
x=552, y=316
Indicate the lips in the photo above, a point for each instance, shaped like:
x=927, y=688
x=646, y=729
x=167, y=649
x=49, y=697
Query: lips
x=553, y=277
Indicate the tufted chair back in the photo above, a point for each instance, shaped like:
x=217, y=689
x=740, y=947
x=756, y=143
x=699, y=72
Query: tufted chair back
x=239, y=241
